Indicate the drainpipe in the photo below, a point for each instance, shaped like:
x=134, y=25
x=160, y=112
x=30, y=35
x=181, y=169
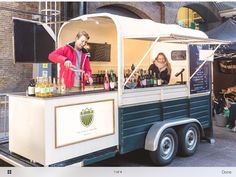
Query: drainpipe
x=65, y=9
x=162, y=12
x=83, y=8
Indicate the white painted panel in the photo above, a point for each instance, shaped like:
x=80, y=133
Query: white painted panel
x=154, y=94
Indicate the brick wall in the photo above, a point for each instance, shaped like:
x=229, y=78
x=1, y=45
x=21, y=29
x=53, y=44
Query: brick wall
x=13, y=77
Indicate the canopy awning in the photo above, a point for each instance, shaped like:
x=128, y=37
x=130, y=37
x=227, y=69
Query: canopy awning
x=146, y=29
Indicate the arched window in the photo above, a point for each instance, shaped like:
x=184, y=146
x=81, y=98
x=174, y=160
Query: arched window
x=188, y=18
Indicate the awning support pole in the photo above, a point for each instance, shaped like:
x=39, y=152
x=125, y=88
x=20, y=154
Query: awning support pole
x=141, y=60
x=204, y=61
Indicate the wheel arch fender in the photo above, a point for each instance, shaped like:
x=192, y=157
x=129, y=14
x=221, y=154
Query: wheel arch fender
x=154, y=133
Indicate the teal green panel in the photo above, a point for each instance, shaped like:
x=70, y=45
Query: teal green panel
x=173, y=114
x=133, y=142
x=200, y=109
x=135, y=121
x=138, y=129
x=140, y=108
x=141, y=121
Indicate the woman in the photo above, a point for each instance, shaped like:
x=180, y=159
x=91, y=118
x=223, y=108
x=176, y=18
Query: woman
x=74, y=60
x=161, y=67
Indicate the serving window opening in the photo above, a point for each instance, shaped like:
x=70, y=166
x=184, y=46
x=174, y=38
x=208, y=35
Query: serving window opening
x=164, y=65
x=102, y=48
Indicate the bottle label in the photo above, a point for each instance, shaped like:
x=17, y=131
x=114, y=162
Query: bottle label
x=31, y=90
x=144, y=82
x=159, y=82
x=112, y=85
x=51, y=89
x=37, y=90
x=43, y=90
x=63, y=89
x=106, y=86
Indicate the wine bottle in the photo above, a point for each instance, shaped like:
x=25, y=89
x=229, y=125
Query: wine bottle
x=155, y=79
x=106, y=81
x=112, y=80
x=82, y=82
x=151, y=79
x=63, y=87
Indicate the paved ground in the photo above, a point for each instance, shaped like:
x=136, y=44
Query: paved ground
x=220, y=154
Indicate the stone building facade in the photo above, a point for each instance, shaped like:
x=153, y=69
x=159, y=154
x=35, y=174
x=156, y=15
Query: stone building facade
x=15, y=76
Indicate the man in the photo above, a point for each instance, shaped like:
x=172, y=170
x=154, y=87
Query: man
x=74, y=61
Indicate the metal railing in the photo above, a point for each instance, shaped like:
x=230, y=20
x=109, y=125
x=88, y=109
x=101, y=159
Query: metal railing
x=4, y=119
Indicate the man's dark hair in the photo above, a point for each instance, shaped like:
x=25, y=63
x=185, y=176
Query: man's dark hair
x=82, y=33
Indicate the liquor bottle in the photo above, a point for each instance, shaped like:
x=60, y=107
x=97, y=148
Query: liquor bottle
x=47, y=87
x=43, y=87
x=155, y=79
x=132, y=67
x=58, y=86
x=31, y=88
x=55, y=86
x=37, y=87
x=142, y=78
x=112, y=80
x=82, y=82
x=50, y=86
x=106, y=81
x=147, y=78
x=159, y=79
x=151, y=79
x=62, y=87
x=97, y=77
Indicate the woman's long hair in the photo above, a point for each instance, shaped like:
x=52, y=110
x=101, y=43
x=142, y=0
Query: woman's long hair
x=168, y=66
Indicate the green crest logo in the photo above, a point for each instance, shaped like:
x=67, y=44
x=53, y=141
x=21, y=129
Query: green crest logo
x=86, y=116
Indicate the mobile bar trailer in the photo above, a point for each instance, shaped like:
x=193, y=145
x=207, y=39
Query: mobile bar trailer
x=87, y=127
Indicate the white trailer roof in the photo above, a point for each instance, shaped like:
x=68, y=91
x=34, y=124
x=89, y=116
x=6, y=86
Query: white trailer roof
x=143, y=28
x=146, y=29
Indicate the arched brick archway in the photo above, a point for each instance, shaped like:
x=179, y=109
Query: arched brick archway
x=125, y=10
x=204, y=11
x=145, y=10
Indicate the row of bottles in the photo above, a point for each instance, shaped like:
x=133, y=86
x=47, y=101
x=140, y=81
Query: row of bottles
x=45, y=87
x=142, y=78
x=99, y=77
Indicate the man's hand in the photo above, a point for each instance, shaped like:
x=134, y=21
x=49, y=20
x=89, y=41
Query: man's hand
x=69, y=65
x=90, y=80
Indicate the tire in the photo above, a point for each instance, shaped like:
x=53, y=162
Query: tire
x=167, y=148
x=189, y=138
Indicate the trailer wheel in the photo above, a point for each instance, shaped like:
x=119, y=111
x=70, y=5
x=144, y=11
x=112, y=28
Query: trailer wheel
x=189, y=138
x=167, y=148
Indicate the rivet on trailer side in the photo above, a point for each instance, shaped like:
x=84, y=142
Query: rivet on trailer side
x=151, y=118
x=164, y=119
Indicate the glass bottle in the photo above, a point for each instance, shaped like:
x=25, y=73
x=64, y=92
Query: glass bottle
x=50, y=86
x=58, y=86
x=151, y=79
x=31, y=88
x=143, y=78
x=148, y=79
x=155, y=79
x=62, y=87
x=55, y=86
x=112, y=80
x=37, y=87
x=106, y=81
x=82, y=82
